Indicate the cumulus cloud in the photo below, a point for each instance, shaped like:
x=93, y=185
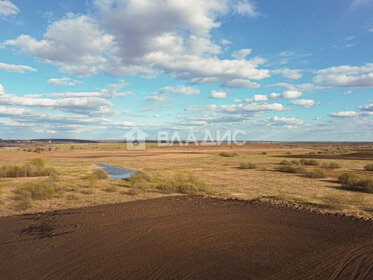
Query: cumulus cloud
x=366, y=108
x=218, y=94
x=75, y=44
x=288, y=94
x=16, y=68
x=246, y=8
x=345, y=114
x=147, y=37
x=111, y=90
x=162, y=93
x=87, y=106
x=346, y=76
x=293, y=74
x=7, y=8
x=63, y=82
x=284, y=121
x=241, y=54
x=240, y=83
x=258, y=98
x=240, y=108
x=306, y=103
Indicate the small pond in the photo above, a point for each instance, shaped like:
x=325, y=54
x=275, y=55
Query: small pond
x=115, y=172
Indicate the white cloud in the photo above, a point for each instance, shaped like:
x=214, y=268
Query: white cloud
x=241, y=54
x=240, y=108
x=2, y=91
x=286, y=121
x=16, y=68
x=300, y=87
x=111, y=90
x=258, y=98
x=86, y=106
x=247, y=8
x=346, y=76
x=75, y=44
x=218, y=94
x=345, y=114
x=63, y=82
x=240, y=83
x=293, y=74
x=306, y=103
x=347, y=92
x=7, y=8
x=370, y=29
x=146, y=37
x=290, y=94
x=366, y=108
x=162, y=93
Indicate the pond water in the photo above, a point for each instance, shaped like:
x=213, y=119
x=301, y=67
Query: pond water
x=115, y=172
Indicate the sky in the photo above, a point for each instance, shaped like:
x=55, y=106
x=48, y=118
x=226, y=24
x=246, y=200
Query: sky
x=291, y=70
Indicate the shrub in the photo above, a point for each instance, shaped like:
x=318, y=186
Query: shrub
x=295, y=162
x=39, y=163
x=285, y=162
x=101, y=174
x=368, y=167
x=356, y=182
x=264, y=153
x=317, y=173
x=184, y=183
x=248, y=165
x=291, y=169
x=309, y=162
x=48, y=171
x=38, y=190
x=14, y=172
x=225, y=154
x=334, y=165
x=111, y=188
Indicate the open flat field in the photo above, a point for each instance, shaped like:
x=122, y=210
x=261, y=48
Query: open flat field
x=73, y=162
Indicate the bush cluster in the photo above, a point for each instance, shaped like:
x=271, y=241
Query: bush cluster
x=184, y=183
x=33, y=168
x=309, y=162
x=35, y=190
x=368, y=167
x=248, y=165
x=291, y=169
x=225, y=154
x=356, y=182
x=317, y=173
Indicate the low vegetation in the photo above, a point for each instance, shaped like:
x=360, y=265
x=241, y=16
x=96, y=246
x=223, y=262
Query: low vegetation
x=291, y=169
x=248, y=165
x=355, y=182
x=317, y=173
x=34, y=168
x=309, y=162
x=36, y=190
x=226, y=154
x=180, y=183
x=368, y=167
x=184, y=183
x=332, y=165
x=100, y=174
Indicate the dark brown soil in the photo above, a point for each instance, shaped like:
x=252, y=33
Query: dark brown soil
x=185, y=238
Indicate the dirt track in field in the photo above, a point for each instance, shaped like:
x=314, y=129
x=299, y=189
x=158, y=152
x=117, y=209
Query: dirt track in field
x=185, y=237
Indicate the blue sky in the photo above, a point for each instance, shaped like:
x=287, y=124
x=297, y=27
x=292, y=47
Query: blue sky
x=279, y=70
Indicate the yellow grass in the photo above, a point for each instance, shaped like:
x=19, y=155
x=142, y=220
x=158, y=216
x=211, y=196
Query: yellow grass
x=223, y=174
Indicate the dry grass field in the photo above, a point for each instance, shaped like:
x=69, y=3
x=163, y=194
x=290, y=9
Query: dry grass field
x=224, y=169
